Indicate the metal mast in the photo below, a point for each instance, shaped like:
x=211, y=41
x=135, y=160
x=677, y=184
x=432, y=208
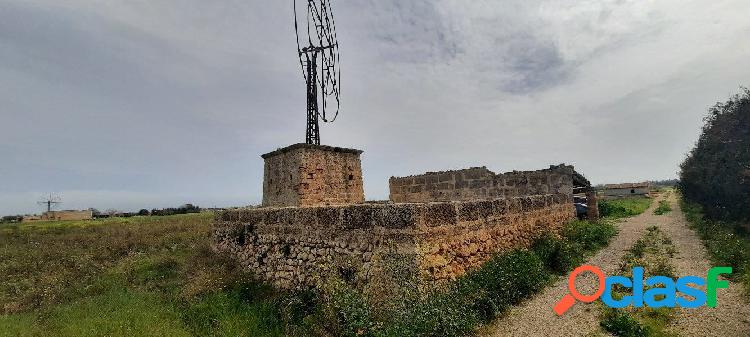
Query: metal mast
x=319, y=62
x=50, y=201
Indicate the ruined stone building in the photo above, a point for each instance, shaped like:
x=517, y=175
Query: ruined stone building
x=613, y=191
x=66, y=215
x=437, y=225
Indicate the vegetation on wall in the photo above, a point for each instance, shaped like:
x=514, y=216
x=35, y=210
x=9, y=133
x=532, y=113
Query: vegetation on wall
x=716, y=172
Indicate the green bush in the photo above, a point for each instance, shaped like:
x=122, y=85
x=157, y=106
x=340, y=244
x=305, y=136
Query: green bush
x=623, y=208
x=621, y=324
x=591, y=235
x=716, y=171
x=725, y=245
x=503, y=281
x=477, y=297
x=663, y=208
x=438, y=314
x=559, y=256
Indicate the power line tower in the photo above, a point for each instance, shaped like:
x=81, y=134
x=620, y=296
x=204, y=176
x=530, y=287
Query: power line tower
x=319, y=60
x=50, y=201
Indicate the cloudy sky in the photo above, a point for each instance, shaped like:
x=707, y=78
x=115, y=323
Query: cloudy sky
x=144, y=103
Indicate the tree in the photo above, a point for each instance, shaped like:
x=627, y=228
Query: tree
x=95, y=212
x=716, y=172
x=143, y=212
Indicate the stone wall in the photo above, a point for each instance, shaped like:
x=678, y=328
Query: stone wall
x=295, y=246
x=310, y=175
x=481, y=183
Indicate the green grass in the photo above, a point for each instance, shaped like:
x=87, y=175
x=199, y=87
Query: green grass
x=726, y=245
x=140, y=276
x=663, y=208
x=156, y=276
x=623, y=208
x=652, y=252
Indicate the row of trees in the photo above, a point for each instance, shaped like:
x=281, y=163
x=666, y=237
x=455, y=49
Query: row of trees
x=716, y=172
x=11, y=218
x=184, y=209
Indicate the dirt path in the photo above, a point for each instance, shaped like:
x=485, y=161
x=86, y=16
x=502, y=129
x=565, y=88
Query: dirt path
x=536, y=318
x=731, y=317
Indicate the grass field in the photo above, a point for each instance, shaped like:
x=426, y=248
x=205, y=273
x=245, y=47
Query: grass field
x=140, y=276
x=622, y=208
x=156, y=276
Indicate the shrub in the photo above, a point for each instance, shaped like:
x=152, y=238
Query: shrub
x=591, y=235
x=724, y=244
x=438, y=314
x=620, y=323
x=716, y=172
x=663, y=208
x=559, y=256
x=504, y=280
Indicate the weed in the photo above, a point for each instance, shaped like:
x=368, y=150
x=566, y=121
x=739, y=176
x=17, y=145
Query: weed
x=725, y=244
x=591, y=235
x=622, y=324
x=663, y=208
x=652, y=253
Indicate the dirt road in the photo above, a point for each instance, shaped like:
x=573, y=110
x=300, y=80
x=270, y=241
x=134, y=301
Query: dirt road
x=536, y=318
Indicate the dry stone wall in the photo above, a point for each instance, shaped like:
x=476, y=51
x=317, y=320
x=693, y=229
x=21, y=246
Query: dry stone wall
x=296, y=246
x=481, y=183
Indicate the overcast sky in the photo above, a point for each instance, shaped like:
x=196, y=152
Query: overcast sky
x=145, y=103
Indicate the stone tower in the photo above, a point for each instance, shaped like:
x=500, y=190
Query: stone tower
x=312, y=175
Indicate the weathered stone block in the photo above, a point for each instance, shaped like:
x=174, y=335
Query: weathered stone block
x=401, y=216
x=440, y=214
x=358, y=216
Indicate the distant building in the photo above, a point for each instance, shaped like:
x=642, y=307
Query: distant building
x=625, y=190
x=61, y=216
x=29, y=218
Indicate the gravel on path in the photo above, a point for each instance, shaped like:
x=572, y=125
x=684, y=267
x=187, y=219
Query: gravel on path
x=731, y=316
x=536, y=318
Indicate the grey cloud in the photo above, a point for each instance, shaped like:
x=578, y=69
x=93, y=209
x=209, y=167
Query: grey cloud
x=130, y=104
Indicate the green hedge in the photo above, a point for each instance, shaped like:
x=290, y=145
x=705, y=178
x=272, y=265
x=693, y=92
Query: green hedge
x=716, y=172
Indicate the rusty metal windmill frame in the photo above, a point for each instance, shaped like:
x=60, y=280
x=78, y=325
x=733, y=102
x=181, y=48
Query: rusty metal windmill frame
x=319, y=60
